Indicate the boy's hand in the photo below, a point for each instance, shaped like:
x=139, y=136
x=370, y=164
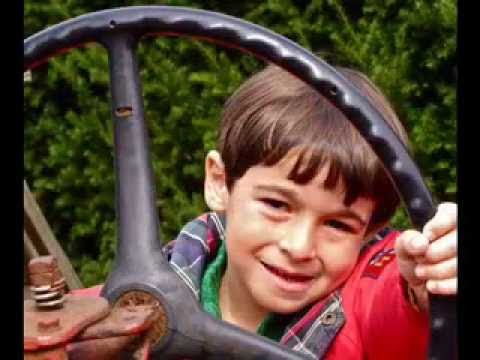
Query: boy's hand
x=428, y=260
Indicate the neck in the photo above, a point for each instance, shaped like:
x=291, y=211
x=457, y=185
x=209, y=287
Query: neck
x=237, y=305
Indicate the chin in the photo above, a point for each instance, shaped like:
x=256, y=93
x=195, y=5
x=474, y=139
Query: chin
x=285, y=307
x=287, y=310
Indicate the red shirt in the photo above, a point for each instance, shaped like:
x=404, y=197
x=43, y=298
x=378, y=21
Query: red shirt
x=380, y=322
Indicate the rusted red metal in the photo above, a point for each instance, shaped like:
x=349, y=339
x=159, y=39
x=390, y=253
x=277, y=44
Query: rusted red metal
x=48, y=325
x=124, y=331
x=45, y=329
x=101, y=349
x=43, y=270
x=46, y=282
x=136, y=298
x=58, y=353
x=85, y=327
x=120, y=321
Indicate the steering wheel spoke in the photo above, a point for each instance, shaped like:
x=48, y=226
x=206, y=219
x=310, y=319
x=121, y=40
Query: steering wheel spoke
x=138, y=227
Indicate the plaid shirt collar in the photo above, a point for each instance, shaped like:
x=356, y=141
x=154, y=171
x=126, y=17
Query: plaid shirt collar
x=310, y=331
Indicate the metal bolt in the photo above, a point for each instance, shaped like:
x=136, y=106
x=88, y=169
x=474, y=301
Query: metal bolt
x=47, y=283
x=128, y=318
x=48, y=325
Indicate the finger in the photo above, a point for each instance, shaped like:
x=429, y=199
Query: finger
x=444, y=220
x=442, y=287
x=443, y=248
x=420, y=259
x=440, y=271
x=411, y=244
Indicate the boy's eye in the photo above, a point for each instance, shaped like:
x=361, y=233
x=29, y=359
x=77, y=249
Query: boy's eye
x=275, y=204
x=340, y=225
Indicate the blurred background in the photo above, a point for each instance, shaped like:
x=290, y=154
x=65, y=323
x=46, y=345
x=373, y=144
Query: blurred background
x=408, y=47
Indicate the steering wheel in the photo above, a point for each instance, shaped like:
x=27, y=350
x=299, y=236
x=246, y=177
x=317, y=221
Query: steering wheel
x=140, y=271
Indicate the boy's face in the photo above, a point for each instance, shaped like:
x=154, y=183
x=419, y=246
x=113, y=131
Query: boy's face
x=289, y=245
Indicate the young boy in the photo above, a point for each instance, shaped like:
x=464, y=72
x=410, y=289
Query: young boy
x=296, y=246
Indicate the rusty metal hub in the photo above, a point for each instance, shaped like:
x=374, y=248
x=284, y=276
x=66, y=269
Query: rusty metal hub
x=78, y=327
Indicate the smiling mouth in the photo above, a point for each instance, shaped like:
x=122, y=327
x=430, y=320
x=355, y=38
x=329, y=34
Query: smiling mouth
x=290, y=277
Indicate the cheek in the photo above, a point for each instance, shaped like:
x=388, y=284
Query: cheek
x=339, y=259
x=245, y=238
x=246, y=229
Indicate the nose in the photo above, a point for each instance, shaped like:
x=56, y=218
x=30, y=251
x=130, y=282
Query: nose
x=298, y=240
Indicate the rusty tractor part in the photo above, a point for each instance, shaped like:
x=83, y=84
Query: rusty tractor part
x=101, y=349
x=47, y=282
x=125, y=331
x=140, y=299
x=58, y=353
x=121, y=347
x=48, y=328
x=58, y=326
x=86, y=328
x=52, y=318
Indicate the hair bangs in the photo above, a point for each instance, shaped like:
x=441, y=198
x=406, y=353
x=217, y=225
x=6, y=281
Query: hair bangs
x=332, y=143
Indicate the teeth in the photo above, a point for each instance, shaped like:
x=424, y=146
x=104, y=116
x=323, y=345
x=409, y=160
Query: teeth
x=289, y=278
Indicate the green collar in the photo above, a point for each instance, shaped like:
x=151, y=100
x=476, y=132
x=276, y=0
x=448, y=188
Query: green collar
x=272, y=327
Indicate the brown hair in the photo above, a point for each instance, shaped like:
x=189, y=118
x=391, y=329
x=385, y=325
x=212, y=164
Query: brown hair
x=273, y=112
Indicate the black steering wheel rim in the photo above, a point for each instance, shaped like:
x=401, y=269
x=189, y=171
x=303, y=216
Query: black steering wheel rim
x=120, y=29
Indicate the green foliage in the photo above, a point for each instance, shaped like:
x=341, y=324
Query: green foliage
x=407, y=47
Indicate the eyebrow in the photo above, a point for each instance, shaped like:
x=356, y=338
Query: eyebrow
x=294, y=196
x=351, y=214
x=275, y=188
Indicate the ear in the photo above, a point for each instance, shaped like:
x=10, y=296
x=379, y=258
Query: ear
x=215, y=187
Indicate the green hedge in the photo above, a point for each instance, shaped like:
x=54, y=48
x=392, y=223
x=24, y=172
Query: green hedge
x=407, y=47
